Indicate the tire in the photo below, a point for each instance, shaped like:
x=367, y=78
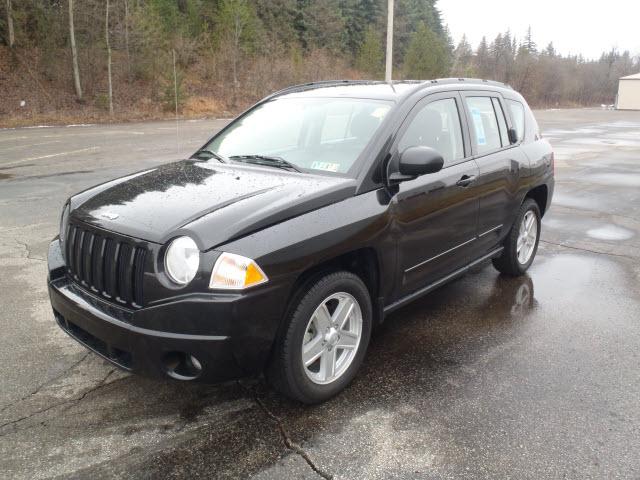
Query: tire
x=304, y=327
x=509, y=262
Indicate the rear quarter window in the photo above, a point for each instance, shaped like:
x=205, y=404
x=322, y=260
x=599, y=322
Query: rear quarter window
x=517, y=117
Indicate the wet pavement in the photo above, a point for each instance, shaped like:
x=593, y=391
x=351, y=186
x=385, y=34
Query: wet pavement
x=487, y=377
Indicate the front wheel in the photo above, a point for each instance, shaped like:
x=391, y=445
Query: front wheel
x=521, y=244
x=324, y=340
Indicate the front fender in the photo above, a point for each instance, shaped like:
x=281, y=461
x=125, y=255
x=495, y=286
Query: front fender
x=288, y=249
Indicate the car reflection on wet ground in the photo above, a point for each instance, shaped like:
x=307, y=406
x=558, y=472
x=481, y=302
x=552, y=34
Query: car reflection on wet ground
x=489, y=376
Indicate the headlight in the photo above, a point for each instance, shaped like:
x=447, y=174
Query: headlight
x=182, y=260
x=235, y=272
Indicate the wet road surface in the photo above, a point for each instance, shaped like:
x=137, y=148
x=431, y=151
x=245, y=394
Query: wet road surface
x=487, y=377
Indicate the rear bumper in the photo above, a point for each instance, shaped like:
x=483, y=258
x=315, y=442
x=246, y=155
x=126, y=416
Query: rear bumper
x=228, y=335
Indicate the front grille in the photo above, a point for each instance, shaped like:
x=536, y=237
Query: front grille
x=105, y=265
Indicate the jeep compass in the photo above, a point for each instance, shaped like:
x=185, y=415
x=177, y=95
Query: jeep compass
x=287, y=237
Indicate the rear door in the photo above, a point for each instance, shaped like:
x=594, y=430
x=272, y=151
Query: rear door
x=499, y=163
x=436, y=214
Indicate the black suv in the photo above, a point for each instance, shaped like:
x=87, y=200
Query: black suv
x=281, y=243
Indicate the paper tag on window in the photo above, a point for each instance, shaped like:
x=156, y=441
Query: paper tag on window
x=329, y=167
x=477, y=122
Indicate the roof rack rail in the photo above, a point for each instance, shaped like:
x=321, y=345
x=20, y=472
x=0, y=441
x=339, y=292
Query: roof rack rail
x=435, y=81
x=304, y=86
x=471, y=80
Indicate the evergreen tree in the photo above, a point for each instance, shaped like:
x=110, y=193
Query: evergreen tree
x=371, y=56
x=358, y=15
x=426, y=55
x=463, y=59
x=325, y=26
x=300, y=21
x=529, y=45
x=277, y=21
x=483, y=59
x=550, y=51
x=408, y=15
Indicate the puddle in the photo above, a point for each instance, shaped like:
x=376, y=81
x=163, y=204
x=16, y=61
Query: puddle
x=610, y=232
x=605, y=141
x=564, y=151
x=4, y=176
x=576, y=201
x=620, y=124
x=554, y=223
x=617, y=179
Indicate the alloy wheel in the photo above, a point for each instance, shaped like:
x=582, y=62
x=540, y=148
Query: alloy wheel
x=527, y=236
x=332, y=338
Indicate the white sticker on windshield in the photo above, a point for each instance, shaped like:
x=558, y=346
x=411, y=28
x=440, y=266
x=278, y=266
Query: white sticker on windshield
x=477, y=122
x=329, y=167
x=380, y=112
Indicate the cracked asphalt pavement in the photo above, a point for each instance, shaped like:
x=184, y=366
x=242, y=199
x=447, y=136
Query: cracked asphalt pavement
x=487, y=377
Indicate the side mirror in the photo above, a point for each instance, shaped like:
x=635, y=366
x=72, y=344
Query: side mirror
x=513, y=135
x=413, y=162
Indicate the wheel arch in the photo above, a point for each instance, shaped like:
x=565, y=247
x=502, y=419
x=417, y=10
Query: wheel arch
x=540, y=195
x=362, y=262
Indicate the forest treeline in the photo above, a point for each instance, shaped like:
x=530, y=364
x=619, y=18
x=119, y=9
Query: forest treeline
x=136, y=57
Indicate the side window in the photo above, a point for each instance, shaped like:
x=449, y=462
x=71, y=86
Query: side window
x=502, y=123
x=484, y=122
x=436, y=125
x=517, y=115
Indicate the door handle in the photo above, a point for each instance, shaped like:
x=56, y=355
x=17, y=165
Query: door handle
x=466, y=180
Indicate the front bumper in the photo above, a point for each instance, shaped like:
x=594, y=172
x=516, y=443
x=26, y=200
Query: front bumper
x=229, y=335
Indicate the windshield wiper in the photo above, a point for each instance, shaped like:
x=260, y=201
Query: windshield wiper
x=208, y=154
x=266, y=160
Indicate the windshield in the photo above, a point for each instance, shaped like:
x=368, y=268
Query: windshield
x=326, y=134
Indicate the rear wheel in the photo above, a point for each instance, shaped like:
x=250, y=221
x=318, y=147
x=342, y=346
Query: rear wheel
x=521, y=244
x=324, y=340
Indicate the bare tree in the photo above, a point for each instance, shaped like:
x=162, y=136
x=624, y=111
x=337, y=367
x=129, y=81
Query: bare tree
x=74, y=53
x=12, y=39
x=126, y=36
x=236, y=20
x=106, y=36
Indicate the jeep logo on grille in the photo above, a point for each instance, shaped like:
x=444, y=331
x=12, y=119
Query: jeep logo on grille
x=109, y=215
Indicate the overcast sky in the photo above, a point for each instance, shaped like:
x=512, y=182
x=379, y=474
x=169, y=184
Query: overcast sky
x=574, y=26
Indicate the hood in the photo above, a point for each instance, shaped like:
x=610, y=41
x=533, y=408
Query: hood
x=212, y=202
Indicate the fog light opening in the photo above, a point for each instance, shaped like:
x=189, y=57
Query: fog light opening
x=182, y=366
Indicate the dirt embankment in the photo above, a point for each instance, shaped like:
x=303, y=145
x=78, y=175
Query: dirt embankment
x=30, y=94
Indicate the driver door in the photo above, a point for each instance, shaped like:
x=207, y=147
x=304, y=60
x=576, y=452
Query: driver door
x=436, y=214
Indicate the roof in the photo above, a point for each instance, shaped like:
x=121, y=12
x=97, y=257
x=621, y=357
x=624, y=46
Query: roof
x=635, y=76
x=377, y=89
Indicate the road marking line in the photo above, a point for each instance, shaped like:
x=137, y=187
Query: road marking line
x=31, y=145
x=72, y=152
x=92, y=134
x=11, y=138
